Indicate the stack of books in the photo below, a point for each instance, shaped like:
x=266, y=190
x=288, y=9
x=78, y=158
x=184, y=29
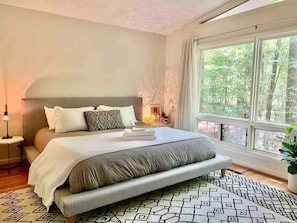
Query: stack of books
x=139, y=134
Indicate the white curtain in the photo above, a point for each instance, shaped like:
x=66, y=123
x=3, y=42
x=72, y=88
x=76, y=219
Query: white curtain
x=187, y=107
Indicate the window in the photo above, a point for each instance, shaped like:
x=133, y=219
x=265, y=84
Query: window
x=224, y=132
x=209, y=128
x=259, y=96
x=278, y=80
x=226, y=75
x=234, y=134
x=268, y=141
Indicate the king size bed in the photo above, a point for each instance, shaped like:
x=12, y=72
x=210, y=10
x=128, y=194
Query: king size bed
x=83, y=169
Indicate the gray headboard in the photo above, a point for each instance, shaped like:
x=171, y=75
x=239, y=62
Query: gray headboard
x=33, y=115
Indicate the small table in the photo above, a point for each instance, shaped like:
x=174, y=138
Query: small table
x=14, y=140
x=161, y=124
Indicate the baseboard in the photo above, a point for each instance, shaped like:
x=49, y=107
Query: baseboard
x=254, y=160
x=12, y=160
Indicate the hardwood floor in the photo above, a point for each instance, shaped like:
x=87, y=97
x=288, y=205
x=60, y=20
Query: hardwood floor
x=18, y=178
x=261, y=177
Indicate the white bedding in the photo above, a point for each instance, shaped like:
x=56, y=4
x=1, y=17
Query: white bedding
x=53, y=165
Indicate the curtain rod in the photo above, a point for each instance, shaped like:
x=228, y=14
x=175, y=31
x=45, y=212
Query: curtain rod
x=255, y=26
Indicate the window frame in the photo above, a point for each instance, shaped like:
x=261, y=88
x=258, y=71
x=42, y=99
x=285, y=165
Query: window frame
x=252, y=124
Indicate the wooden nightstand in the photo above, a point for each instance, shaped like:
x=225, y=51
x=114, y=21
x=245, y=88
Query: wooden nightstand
x=14, y=140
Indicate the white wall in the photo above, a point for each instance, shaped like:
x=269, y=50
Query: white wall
x=46, y=55
x=266, y=19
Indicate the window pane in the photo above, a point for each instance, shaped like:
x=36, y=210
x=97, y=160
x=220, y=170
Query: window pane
x=226, y=81
x=235, y=134
x=278, y=81
x=209, y=128
x=268, y=141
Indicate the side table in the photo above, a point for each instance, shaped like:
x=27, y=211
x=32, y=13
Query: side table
x=161, y=124
x=18, y=140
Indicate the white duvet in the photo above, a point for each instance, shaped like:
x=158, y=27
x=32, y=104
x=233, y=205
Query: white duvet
x=52, y=167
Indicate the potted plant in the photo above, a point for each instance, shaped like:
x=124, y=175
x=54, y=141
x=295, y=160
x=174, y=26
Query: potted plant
x=289, y=149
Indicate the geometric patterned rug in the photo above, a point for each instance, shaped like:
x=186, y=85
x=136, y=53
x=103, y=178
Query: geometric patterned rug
x=207, y=199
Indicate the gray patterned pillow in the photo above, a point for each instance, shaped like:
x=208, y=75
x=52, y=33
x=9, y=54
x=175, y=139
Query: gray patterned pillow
x=101, y=120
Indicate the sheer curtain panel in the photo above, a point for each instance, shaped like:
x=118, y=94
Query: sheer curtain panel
x=188, y=97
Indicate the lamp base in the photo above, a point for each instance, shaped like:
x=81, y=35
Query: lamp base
x=6, y=137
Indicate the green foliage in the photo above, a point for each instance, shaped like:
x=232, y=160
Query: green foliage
x=226, y=80
x=290, y=149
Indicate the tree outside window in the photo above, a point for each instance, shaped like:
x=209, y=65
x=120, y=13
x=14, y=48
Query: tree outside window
x=226, y=88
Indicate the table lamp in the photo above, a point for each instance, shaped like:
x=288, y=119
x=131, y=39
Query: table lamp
x=6, y=119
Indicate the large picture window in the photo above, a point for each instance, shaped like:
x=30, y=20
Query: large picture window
x=278, y=80
x=255, y=88
x=226, y=75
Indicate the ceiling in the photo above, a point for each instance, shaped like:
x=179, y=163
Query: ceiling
x=154, y=16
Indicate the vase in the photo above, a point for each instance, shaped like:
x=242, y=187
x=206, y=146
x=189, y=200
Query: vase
x=292, y=183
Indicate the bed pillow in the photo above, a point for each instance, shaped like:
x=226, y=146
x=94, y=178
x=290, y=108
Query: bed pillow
x=127, y=113
x=50, y=117
x=70, y=119
x=102, y=120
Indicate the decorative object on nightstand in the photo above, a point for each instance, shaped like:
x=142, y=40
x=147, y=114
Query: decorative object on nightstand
x=18, y=140
x=156, y=112
x=165, y=118
x=6, y=119
x=149, y=119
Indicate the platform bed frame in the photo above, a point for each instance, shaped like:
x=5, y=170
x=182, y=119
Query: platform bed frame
x=73, y=204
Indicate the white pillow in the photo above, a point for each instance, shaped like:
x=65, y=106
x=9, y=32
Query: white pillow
x=70, y=119
x=50, y=117
x=127, y=113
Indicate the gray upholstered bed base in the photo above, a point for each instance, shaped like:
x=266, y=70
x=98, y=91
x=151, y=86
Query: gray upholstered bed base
x=73, y=204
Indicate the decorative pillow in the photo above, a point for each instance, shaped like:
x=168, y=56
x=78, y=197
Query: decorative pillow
x=70, y=119
x=50, y=117
x=101, y=120
x=127, y=113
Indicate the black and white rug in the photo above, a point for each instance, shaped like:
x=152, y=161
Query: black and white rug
x=207, y=199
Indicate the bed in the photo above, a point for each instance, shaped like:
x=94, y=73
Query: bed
x=72, y=204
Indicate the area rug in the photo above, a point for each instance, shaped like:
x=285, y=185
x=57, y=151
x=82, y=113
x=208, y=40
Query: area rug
x=207, y=199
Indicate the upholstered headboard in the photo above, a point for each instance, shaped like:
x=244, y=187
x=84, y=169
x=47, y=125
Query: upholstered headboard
x=34, y=117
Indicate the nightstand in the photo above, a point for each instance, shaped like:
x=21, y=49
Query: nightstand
x=18, y=140
x=161, y=124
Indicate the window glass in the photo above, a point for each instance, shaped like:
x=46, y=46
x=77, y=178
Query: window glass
x=268, y=141
x=278, y=81
x=209, y=128
x=225, y=85
x=234, y=134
